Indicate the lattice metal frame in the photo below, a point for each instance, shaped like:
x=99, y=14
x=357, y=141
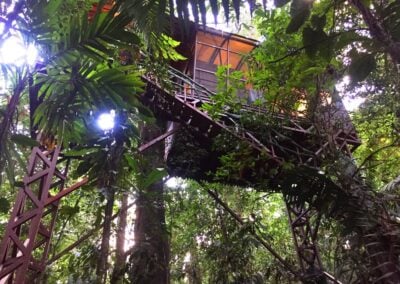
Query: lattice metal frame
x=182, y=104
x=26, y=242
x=304, y=238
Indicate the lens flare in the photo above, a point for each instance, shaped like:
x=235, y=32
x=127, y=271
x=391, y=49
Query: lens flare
x=14, y=51
x=106, y=121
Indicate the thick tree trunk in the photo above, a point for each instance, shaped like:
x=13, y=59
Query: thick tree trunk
x=120, y=257
x=366, y=212
x=150, y=257
x=102, y=263
x=378, y=31
x=83, y=239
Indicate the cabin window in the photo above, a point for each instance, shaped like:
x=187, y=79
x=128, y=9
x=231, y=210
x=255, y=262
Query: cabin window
x=214, y=49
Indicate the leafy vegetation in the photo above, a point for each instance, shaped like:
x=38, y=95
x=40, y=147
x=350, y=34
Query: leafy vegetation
x=92, y=58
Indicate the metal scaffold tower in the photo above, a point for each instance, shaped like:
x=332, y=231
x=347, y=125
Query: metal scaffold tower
x=26, y=242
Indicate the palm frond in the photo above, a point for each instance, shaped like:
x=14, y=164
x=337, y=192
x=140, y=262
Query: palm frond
x=391, y=187
x=72, y=90
x=63, y=34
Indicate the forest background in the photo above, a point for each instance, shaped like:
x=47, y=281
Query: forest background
x=309, y=48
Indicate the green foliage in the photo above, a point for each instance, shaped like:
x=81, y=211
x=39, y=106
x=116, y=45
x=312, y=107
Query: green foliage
x=220, y=250
x=308, y=47
x=4, y=205
x=226, y=98
x=289, y=79
x=154, y=176
x=361, y=66
x=299, y=11
x=24, y=140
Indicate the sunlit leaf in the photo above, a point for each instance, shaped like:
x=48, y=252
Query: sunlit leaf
x=153, y=177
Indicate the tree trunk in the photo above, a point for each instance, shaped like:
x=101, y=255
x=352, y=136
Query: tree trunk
x=150, y=257
x=102, y=263
x=120, y=257
x=107, y=181
x=366, y=213
x=378, y=31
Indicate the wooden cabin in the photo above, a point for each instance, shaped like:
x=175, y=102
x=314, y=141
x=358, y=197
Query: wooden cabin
x=206, y=48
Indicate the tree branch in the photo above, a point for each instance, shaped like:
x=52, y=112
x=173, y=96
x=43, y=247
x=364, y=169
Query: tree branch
x=371, y=155
x=378, y=31
x=257, y=237
x=296, y=51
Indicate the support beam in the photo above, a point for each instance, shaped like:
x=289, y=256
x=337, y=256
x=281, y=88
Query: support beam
x=304, y=224
x=158, y=139
x=238, y=219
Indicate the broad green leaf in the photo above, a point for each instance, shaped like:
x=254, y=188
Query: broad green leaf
x=317, y=41
x=346, y=38
x=131, y=161
x=310, y=41
x=299, y=11
x=327, y=48
x=154, y=176
x=313, y=71
x=361, y=66
x=215, y=9
x=24, y=140
x=83, y=168
x=203, y=11
x=79, y=152
x=225, y=5
x=4, y=205
x=69, y=210
x=236, y=7
x=318, y=22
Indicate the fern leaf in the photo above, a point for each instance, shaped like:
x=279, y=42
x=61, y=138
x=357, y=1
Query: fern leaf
x=392, y=186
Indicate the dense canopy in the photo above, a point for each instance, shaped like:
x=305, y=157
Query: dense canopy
x=259, y=126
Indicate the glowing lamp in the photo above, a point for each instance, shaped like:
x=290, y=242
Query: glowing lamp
x=106, y=121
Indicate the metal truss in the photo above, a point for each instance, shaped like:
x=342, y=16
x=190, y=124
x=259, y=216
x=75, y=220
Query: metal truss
x=181, y=99
x=26, y=242
x=181, y=102
x=304, y=223
x=304, y=238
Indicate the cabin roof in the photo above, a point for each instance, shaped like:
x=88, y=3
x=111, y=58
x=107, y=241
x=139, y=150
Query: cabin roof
x=229, y=35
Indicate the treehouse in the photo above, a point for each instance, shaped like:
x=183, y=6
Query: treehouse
x=251, y=152
x=207, y=49
x=195, y=82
